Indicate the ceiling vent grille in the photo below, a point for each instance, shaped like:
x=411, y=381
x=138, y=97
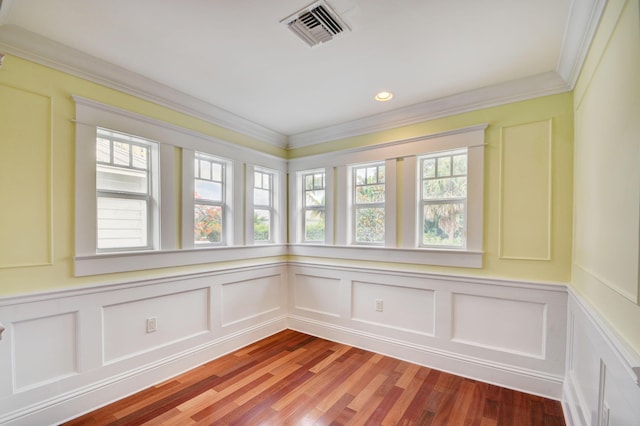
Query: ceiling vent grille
x=316, y=24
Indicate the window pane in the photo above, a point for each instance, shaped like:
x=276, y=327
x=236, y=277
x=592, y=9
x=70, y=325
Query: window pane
x=261, y=225
x=216, y=171
x=318, y=181
x=140, y=156
x=361, y=176
x=205, y=170
x=257, y=180
x=207, y=224
x=460, y=164
x=208, y=190
x=121, y=153
x=444, y=188
x=370, y=225
x=444, y=166
x=314, y=198
x=372, y=175
x=308, y=182
x=261, y=197
x=122, y=223
x=103, y=150
x=370, y=194
x=314, y=225
x=443, y=225
x=381, y=174
x=120, y=179
x=429, y=168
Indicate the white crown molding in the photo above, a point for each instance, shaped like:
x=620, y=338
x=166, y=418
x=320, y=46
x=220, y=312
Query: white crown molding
x=33, y=47
x=582, y=23
x=548, y=83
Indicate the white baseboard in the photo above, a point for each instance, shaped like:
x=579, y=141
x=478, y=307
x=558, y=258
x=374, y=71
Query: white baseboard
x=529, y=381
x=72, y=404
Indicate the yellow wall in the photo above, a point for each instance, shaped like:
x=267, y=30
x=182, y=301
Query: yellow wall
x=37, y=139
x=527, y=235
x=528, y=184
x=607, y=171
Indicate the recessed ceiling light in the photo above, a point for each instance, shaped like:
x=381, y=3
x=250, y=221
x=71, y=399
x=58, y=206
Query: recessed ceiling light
x=384, y=96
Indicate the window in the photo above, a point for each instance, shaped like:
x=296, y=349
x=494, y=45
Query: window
x=313, y=206
x=443, y=200
x=124, y=189
x=209, y=200
x=263, y=210
x=369, y=203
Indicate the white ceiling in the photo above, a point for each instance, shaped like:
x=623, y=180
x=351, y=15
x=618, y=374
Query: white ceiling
x=235, y=55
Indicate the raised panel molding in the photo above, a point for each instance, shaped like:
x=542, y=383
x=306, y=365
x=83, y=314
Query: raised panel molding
x=514, y=326
x=25, y=142
x=317, y=294
x=178, y=316
x=601, y=384
x=45, y=350
x=250, y=299
x=403, y=308
x=525, y=191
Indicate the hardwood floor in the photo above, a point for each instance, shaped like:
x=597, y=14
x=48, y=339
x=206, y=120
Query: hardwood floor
x=296, y=379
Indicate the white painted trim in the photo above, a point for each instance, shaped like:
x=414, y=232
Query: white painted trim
x=467, y=278
x=629, y=359
x=119, y=386
x=584, y=17
x=33, y=47
x=545, y=84
x=135, y=261
x=96, y=113
x=460, y=258
x=518, y=378
x=4, y=13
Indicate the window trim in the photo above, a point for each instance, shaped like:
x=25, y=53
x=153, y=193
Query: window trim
x=304, y=208
x=171, y=139
x=401, y=243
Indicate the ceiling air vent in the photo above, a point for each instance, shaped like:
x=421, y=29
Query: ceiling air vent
x=316, y=23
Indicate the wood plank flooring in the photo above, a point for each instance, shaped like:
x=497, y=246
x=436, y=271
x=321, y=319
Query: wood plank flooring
x=292, y=378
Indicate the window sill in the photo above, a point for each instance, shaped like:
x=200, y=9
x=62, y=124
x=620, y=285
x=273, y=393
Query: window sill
x=421, y=256
x=109, y=263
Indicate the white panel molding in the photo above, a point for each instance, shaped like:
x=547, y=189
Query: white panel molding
x=33, y=47
x=57, y=409
x=602, y=385
x=52, y=395
x=439, y=349
x=523, y=379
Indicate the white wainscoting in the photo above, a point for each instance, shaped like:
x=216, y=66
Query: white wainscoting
x=67, y=352
x=601, y=386
x=504, y=332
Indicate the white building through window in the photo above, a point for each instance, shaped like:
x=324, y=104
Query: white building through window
x=125, y=188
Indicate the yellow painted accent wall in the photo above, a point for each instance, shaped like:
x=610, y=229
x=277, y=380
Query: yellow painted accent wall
x=607, y=172
x=527, y=185
x=41, y=81
x=37, y=140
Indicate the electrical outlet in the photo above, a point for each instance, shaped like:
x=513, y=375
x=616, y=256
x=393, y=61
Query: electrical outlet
x=152, y=324
x=379, y=305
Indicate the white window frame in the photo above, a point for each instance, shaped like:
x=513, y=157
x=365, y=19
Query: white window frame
x=401, y=186
x=422, y=202
x=150, y=197
x=276, y=208
x=174, y=245
x=355, y=205
x=226, y=197
x=304, y=208
x=297, y=207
